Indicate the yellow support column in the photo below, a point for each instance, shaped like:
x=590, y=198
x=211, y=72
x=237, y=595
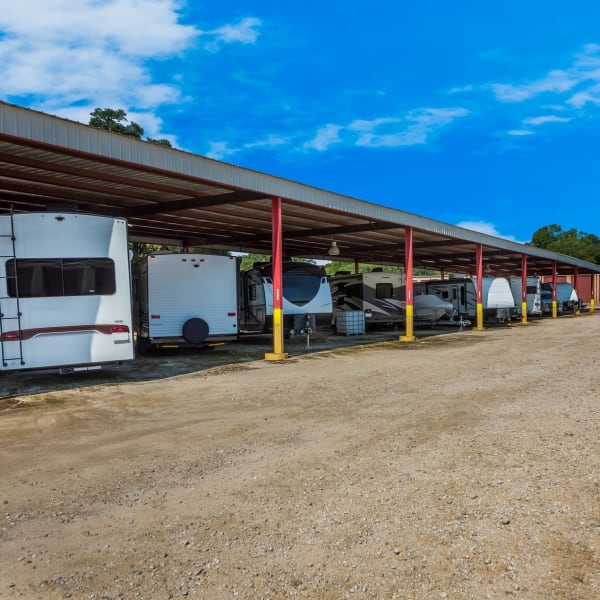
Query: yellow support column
x=278, y=353
x=409, y=337
x=479, y=326
x=524, y=313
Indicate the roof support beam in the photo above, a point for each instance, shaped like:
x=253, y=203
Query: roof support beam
x=304, y=233
x=197, y=202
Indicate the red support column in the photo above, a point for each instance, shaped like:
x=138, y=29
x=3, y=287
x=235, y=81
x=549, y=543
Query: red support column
x=575, y=282
x=277, y=261
x=554, y=303
x=523, y=289
x=356, y=266
x=593, y=293
x=479, y=266
x=408, y=244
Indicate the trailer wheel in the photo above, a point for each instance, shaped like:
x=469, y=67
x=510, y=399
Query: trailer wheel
x=195, y=331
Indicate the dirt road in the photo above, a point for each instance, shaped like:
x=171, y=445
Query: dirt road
x=461, y=466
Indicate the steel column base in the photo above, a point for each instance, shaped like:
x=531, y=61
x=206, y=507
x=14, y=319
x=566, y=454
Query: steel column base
x=276, y=355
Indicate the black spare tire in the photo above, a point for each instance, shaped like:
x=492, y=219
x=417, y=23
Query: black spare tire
x=195, y=331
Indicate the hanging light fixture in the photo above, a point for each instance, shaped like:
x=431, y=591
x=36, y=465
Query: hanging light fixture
x=333, y=249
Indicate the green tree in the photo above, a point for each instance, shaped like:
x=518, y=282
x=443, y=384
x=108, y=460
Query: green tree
x=115, y=120
x=578, y=244
x=160, y=142
x=337, y=265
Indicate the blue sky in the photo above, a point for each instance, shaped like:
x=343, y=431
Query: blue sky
x=479, y=114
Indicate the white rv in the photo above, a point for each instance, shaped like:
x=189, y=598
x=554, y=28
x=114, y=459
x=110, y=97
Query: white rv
x=306, y=297
x=185, y=299
x=65, y=294
x=498, y=302
x=534, y=295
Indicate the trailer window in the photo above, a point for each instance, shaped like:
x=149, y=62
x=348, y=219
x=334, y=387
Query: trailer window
x=252, y=292
x=43, y=277
x=300, y=288
x=532, y=289
x=384, y=290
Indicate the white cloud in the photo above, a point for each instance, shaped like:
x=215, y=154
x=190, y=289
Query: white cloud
x=415, y=128
x=584, y=73
x=244, y=32
x=484, y=227
x=520, y=132
x=543, y=119
x=220, y=150
x=555, y=81
x=325, y=137
x=580, y=99
x=67, y=58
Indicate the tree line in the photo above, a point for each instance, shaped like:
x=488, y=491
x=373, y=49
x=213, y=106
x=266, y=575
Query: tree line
x=578, y=244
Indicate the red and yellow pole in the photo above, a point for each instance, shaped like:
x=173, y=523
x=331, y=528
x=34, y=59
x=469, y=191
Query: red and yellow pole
x=554, y=303
x=523, y=289
x=277, y=260
x=408, y=263
x=479, y=265
x=575, y=282
x=593, y=293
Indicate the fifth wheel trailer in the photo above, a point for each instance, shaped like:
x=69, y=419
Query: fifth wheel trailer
x=185, y=299
x=379, y=294
x=65, y=293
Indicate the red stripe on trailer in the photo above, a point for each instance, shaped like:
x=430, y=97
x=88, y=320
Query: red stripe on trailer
x=27, y=334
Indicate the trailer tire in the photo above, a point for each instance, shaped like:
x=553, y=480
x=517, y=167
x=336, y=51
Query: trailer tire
x=195, y=331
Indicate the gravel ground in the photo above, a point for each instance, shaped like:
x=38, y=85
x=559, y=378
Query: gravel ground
x=460, y=466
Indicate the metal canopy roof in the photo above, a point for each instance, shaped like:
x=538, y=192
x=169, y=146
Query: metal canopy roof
x=173, y=197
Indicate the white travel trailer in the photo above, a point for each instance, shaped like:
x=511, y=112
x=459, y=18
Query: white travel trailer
x=65, y=294
x=534, y=295
x=306, y=297
x=185, y=299
x=498, y=302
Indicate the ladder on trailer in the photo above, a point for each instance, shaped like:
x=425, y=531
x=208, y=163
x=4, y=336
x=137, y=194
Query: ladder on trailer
x=5, y=300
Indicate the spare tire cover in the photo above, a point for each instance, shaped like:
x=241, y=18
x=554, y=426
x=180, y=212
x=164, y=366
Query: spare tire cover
x=195, y=330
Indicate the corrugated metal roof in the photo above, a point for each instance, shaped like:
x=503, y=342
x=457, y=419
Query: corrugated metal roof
x=171, y=196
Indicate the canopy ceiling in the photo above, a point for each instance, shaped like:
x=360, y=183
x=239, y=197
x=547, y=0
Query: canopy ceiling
x=173, y=197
